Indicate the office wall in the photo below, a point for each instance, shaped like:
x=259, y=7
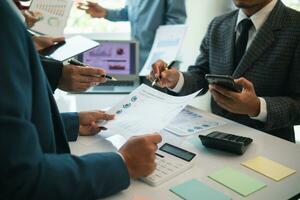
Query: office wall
x=200, y=13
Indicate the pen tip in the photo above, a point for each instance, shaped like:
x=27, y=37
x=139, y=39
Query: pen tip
x=113, y=79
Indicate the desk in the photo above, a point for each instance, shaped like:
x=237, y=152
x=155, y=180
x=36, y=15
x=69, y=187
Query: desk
x=208, y=161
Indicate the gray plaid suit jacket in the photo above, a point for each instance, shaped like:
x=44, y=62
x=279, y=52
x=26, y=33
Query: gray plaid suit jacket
x=271, y=63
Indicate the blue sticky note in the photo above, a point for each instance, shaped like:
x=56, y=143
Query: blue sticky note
x=196, y=190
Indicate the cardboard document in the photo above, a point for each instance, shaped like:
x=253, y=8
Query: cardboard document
x=195, y=190
x=269, y=168
x=54, y=16
x=237, y=181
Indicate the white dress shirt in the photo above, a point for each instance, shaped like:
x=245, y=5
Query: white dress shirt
x=258, y=19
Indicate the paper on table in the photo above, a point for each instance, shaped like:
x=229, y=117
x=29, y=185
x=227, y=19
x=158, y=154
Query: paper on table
x=268, y=168
x=167, y=43
x=237, y=181
x=195, y=190
x=143, y=111
x=55, y=14
x=191, y=121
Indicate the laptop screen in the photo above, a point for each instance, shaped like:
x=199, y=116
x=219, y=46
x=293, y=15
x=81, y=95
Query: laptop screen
x=116, y=57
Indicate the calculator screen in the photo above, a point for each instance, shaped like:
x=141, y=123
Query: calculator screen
x=178, y=152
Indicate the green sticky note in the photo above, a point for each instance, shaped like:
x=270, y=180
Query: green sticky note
x=195, y=190
x=237, y=181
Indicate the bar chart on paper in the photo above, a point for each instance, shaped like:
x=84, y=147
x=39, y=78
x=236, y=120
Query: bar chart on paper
x=54, y=14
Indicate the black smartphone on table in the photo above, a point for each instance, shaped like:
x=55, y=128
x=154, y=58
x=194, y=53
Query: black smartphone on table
x=223, y=81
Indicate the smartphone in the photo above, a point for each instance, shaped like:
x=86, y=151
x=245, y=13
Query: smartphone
x=223, y=81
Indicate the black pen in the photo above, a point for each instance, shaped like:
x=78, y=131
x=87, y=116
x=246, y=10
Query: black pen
x=73, y=61
x=168, y=67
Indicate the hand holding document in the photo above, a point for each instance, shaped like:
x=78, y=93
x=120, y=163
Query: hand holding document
x=54, y=13
x=145, y=110
x=167, y=43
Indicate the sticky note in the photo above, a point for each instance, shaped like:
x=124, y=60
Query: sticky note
x=237, y=181
x=268, y=168
x=196, y=190
x=140, y=198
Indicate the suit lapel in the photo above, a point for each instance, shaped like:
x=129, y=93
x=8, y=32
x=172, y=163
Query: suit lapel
x=263, y=39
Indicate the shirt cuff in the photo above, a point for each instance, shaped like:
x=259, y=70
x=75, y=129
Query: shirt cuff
x=179, y=84
x=262, y=116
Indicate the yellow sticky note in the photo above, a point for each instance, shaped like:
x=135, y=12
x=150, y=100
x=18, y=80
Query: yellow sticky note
x=269, y=168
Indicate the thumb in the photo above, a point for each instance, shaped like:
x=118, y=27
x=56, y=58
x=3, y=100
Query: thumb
x=247, y=85
x=58, y=39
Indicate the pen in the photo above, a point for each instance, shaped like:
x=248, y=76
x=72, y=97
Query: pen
x=168, y=67
x=73, y=61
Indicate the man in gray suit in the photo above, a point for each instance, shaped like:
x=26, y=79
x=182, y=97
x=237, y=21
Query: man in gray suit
x=259, y=46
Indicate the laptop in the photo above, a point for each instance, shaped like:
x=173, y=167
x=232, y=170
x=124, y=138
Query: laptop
x=120, y=60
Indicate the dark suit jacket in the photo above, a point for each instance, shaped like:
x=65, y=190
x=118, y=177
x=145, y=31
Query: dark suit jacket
x=35, y=157
x=271, y=63
x=53, y=70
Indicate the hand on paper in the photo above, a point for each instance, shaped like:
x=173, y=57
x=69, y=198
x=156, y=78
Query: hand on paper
x=139, y=154
x=42, y=42
x=166, y=77
x=77, y=78
x=246, y=102
x=88, y=122
x=93, y=9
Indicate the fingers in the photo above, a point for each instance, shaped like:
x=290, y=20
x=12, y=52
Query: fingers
x=158, y=67
x=155, y=138
x=92, y=71
x=225, y=92
x=58, y=39
x=247, y=85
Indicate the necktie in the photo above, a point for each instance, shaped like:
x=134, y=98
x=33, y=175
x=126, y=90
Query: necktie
x=242, y=40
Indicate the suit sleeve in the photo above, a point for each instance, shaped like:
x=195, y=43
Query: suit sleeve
x=53, y=70
x=26, y=171
x=117, y=14
x=194, y=78
x=175, y=12
x=71, y=125
x=284, y=111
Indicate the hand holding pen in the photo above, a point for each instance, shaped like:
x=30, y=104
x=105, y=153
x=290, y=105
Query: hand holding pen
x=78, y=63
x=164, y=75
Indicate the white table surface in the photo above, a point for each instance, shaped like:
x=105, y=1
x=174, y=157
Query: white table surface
x=207, y=160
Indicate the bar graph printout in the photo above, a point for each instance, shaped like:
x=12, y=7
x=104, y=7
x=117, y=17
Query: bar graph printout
x=54, y=18
x=143, y=111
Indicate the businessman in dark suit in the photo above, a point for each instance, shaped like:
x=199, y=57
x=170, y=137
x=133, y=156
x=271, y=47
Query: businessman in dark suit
x=35, y=158
x=259, y=45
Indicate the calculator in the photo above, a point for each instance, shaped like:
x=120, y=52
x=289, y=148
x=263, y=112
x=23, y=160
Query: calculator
x=171, y=161
x=226, y=142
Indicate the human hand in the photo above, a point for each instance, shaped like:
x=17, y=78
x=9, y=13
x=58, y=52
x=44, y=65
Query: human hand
x=93, y=9
x=76, y=78
x=42, y=42
x=246, y=102
x=139, y=154
x=31, y=17
x=88, y=122
x=166, y=77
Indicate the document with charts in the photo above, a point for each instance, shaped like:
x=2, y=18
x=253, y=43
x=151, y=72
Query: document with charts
x=191, y=121
x=143, y=111
x=166, y=46
x=54, y=16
